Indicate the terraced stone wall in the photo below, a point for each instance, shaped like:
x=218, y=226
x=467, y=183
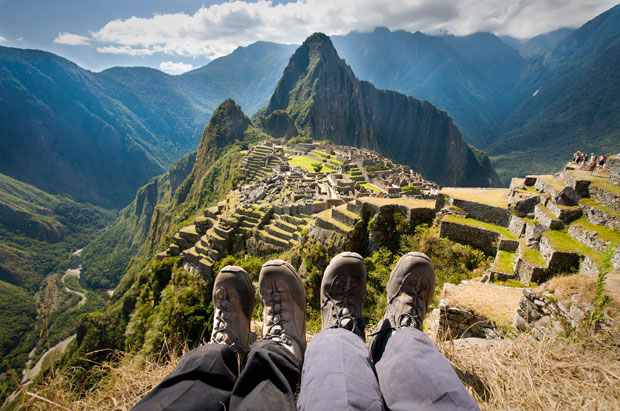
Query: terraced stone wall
x=480, y=238
x=483, y=212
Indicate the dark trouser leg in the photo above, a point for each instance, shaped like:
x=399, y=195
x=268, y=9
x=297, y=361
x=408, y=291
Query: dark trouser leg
x=268, y=380
x=206, y=380
x=203, y=380
x=414, y=375
x=338, y=374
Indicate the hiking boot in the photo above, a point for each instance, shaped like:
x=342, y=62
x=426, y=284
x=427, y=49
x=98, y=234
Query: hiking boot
x=409, y=291
x=343, y=290
x=284, y=306
x=233, y=300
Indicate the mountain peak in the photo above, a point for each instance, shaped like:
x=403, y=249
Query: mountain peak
x=228, y=123
x=319, y=46
x=319, y=95
x=317, y=38
x=315, y=56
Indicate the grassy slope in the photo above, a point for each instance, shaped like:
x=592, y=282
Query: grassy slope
x=37, y=230
x=18, y=312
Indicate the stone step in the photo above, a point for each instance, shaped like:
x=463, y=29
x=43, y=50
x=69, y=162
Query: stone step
x=174, y=250
x=558, y=189
x=213, y=239
x=214, y=254
x=475, y=233
x=283, y=225
x=279, y=233
x=201, y=248
x=247, y=224
x=546, y=218
x=191, y=255
x=324, y=220
x=203, y=223
x=251, y=214
x=211, y=212
x=606, y=193
x=564, y=213
x=561, y=252
x=228, y=222
x=505, y=262
x=530, y=265
x=274, y=241
x=189, y=233
x=596, y=237
x=181, y=242
x=297, y=221
x=222, y=231
x=598, y=213
x=355, y=206
x=344, y=216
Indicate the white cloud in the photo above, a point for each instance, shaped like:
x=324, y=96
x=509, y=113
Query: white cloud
x=218, y=29
x=71, y=39
x=175, y=68
x=3, y=40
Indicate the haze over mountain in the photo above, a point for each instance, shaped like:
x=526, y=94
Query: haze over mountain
x=322, y=98
x=100, y=136
x=566, y=100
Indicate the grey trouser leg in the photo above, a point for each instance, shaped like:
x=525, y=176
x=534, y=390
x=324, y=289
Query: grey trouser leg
x=338, y=375
x=414, y=375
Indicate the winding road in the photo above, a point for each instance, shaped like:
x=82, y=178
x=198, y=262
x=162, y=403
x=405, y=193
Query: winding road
x=74, y=272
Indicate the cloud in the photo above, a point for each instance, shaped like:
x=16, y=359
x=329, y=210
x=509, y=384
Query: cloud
x=3, y=40
x=175, y=68
x=71, y=39
x=218, y=29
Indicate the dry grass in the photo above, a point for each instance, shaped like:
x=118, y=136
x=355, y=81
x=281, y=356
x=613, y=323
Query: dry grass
x=557, y=374
x=123, y=387
x=495, y=302
x=565, y=287
x=496, y=197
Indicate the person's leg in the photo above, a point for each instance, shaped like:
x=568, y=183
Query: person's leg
x=205, y=377
x=268, y=380
x=272, y=372
x=203, y=380
x=413, y=375
x=338, y=374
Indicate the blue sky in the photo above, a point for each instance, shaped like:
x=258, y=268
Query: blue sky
x=177, y=35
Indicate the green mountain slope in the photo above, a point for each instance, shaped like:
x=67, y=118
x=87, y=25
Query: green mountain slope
x=323, y=98
x=168, y=201
x=38, y=230
x=38, y=233
x=466, y=76
x=64, y=133
x=568, y=101
x=100, y=136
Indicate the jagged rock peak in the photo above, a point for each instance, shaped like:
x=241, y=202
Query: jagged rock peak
x=228, y=123
x=319, y=96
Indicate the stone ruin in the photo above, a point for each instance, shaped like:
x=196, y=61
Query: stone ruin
x=275, y=201
x=541, y=227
